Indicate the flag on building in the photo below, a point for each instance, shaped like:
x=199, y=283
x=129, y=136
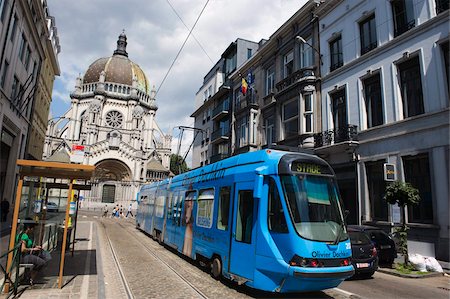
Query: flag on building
x=244, y=87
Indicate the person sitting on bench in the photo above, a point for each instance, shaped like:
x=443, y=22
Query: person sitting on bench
x=32, y=255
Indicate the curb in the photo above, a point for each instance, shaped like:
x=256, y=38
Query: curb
x=393, y=272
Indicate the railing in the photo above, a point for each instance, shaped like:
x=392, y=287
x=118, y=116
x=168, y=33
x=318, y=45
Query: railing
x=223, y=108
x=249, y=100
x=10, y=278
x=220, y=133
x=346, y=133
x=301, y=74
x=403, y=28
x=441, y=5
x=218, y=157
x=368, y=48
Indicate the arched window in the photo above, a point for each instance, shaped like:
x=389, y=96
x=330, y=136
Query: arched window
x=82, y=122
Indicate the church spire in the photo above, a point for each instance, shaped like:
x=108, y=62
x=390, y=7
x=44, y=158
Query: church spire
x=121, y=45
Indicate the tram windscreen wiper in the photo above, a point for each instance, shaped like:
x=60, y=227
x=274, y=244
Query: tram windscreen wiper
x=338, y=237
x=341, y=228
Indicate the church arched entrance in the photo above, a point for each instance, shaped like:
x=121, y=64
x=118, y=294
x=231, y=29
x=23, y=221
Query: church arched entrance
x=112, y=183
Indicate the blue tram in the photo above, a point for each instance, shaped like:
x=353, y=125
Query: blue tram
x=269, y=219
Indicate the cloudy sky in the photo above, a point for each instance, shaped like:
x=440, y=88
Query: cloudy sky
x=88, y=30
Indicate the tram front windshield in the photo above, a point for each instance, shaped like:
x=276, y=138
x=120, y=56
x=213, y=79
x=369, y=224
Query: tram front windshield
x=314, y=207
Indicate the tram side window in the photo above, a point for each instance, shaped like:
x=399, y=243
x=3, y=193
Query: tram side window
x=277, y=221
x=169, y=205
x=205, y=208
x=244, y=220
x=224, y=208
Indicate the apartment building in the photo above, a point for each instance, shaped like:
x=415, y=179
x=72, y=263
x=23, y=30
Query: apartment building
x=385, y=100
x=212, y=105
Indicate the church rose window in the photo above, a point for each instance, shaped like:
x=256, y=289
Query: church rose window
x=114, y=119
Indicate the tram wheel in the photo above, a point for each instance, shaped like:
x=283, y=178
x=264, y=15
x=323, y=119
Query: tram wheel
x=216, y=268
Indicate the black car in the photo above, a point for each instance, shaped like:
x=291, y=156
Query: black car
x=383, y=242
x=364, y=253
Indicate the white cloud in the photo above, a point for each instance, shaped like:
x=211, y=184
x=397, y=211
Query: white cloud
x=89, y=29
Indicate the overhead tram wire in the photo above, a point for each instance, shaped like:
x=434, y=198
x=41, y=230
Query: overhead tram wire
x=198, y=42
x=182, y=46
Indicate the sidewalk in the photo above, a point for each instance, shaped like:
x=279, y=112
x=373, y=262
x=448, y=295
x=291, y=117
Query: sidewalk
x=80, y=277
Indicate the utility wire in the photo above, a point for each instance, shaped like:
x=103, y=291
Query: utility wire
x=203, y=49
x=182, y=46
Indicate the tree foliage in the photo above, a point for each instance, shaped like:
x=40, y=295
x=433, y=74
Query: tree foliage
x=177, y=164
x=401, y=193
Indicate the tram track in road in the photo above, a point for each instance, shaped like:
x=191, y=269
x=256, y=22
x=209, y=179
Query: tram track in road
x=191, y=285
x=154, y=271
x=128, y=292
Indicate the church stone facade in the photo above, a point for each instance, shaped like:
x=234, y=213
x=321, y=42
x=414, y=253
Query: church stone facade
x=111, y=124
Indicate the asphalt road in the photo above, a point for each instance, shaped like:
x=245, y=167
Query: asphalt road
x=384, y=286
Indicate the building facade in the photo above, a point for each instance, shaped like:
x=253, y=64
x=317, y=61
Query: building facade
x=24, y=35
x=213, y=105
x=385, y=98
x=363, y=84
x=111, y=124
x=43, y=92
x=282, y=102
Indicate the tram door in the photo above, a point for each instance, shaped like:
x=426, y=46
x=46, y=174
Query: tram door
x=242, y=261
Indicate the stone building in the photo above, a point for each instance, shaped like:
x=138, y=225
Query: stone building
x=111, y=124
x=28, y=64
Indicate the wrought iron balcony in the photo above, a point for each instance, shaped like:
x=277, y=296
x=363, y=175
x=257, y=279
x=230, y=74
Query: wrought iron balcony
x=219, y=135
x=250, y=100
x=402, y=28
x=346, y=133
x=297, y=76
x=221, y=110
x=441, y=5
x=218, y=157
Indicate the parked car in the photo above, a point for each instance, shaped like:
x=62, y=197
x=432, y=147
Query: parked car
x=383, y=242
x=364, y=253
x=52, y=207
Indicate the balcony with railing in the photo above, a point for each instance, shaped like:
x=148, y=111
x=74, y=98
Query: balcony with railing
x=219, y=135
x=302, y=75
x=218, y=157
x=269, y=99
x=345, y=134
x=249, y=101
x=221, y=110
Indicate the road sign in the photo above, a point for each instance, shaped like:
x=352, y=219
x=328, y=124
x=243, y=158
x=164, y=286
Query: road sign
x=77, y=154
x=389, y=172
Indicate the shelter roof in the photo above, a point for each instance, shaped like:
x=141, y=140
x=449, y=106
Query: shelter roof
x=58, y=170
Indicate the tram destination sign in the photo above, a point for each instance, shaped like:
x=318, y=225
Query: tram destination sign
x=310, y=168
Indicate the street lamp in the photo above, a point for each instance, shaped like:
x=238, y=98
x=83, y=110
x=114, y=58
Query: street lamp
x=301, y=40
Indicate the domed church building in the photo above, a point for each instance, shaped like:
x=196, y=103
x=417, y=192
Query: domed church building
x=111, y=124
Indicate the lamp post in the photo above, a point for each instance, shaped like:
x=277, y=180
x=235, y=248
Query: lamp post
x=301, y=40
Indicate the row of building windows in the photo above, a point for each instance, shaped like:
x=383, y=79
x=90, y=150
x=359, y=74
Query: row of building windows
x=403, y=20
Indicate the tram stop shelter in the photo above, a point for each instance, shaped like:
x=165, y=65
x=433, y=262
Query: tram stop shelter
x=46, y=195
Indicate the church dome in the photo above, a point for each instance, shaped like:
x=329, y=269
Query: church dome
x=118, y=68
